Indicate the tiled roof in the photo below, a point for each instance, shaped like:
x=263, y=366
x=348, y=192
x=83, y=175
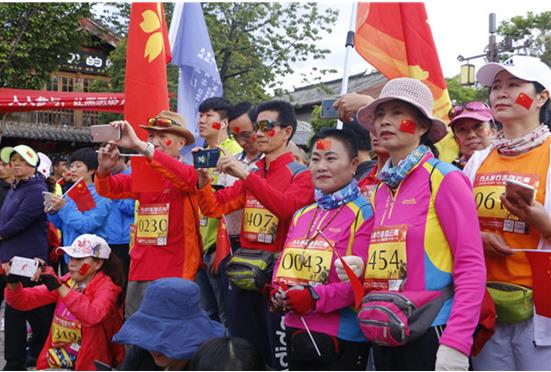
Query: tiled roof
x=363, y=83
x=47, y=132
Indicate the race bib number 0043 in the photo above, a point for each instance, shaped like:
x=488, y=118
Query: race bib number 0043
x=305, y=266
x=152, y=224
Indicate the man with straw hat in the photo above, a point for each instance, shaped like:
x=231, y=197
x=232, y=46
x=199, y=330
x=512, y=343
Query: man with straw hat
x=166, y=241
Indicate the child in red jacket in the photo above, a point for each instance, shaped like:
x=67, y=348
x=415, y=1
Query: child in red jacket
x=88, y=311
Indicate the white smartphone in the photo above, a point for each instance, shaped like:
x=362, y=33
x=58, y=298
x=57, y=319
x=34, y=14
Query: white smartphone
x=47, y=199
x=105, y=133
x=23, y=266
x=527, y=192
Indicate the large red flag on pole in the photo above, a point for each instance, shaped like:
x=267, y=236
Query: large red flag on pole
x=540, y=263
x=146, y=93
x=396, y=39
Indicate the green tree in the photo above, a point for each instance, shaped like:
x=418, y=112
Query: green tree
x=532, y=31
x=33, y=38
x=461, y=94
x=255, y=44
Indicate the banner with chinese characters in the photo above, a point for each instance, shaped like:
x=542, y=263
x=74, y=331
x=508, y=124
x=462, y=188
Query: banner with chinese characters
x=17, y=100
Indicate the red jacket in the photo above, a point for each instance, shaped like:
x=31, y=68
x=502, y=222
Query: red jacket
x=182, y=255
x=96, y=308
x=283, y=189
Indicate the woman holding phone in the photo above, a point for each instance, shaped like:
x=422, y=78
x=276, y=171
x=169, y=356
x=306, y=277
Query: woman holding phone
x=519, y=99
x=88, y=308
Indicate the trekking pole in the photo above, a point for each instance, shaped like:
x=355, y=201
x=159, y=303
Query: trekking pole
x=310, y=335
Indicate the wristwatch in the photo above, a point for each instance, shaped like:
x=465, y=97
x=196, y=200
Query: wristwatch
x=149, y=149
x=313, y=293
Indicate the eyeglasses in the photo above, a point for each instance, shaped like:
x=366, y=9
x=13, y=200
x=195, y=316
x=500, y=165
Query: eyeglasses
x=243, y=135
x=469, y=106
x=265, y=125
x=160, y=122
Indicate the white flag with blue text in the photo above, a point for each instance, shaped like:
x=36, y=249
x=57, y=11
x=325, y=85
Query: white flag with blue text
x=192, y=52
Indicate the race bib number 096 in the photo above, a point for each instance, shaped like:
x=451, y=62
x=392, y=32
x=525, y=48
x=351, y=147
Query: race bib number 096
x=493, y=216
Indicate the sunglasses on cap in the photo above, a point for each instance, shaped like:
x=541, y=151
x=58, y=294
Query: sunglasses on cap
x=265, y=125
x=160, y=122
x=469, y=106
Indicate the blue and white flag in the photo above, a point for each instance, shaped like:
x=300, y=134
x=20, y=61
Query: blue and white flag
x=192, y=52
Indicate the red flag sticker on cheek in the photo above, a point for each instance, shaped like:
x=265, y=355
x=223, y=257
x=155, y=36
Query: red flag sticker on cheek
x=168, y=141
x=84, y=268
x=524, y=100
x=323, y=144
x=408, y=126
x=236, y=130
x=253, y=138
x=216, y=126
x=271, y=132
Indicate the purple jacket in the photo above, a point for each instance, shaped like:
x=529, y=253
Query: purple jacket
x=23, y=223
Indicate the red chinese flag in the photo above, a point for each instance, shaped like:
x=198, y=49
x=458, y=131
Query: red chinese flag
x=540, y=262
x=357, y=286
x=145, y=90
x=223, y=245
x=81, y=196
x=396, y=39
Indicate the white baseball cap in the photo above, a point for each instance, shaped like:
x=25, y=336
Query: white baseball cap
x=522, y=67
x=45, y=165
x=87, y=245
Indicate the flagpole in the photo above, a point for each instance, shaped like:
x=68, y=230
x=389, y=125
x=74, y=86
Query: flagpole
x=349, y=46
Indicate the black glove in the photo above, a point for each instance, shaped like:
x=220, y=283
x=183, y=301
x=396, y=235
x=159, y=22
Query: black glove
x=50, y=281
x=12, y=278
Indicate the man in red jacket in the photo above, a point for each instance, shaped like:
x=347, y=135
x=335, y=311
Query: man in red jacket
x=279, y=187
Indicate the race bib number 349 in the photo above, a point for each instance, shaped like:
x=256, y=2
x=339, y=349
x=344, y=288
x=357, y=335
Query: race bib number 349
x=152, y=224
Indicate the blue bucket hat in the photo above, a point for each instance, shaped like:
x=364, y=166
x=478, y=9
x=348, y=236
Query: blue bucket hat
x=170, y=320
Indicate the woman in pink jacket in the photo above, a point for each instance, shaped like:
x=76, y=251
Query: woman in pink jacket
x=425, y=236
x=88, y=306
x=305, y=283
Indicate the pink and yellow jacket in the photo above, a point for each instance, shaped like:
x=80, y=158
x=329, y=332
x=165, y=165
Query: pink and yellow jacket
x=443, y=243
x=350, y=231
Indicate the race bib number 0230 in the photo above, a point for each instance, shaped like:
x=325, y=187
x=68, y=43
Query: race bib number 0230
x=299, y=265
x=152, y=224
x=259, y=224
x=386, y=266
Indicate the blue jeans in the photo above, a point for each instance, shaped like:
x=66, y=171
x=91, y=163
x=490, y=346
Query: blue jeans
x=214, y=290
